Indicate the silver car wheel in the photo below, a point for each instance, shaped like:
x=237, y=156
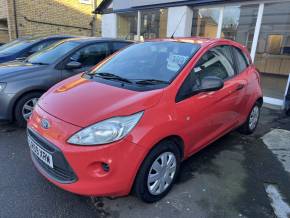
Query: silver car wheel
x=28, y=108
x=254, y=117
x=161, y=173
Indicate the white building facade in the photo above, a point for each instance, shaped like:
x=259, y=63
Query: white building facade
x=262, y=26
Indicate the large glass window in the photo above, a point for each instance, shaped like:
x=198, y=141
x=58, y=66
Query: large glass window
x=273, y=50
x=153, y=23
x=205, y=22
x=239, y=23
x=127, y=25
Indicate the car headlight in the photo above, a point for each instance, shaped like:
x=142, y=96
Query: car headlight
x=2, y=86
x=106, y=131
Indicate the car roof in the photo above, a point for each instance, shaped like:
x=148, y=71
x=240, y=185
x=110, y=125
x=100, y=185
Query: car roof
x=35, y=39
x=99, y=39
x=203, y=41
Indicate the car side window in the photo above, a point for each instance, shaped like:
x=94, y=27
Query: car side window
x=242, y=61
x=118, y=45
x=41, y=46
x=213, y=63
x=91, y=55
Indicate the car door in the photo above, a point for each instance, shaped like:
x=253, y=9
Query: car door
x=208, y=113
x=87, y=57
x=241, y=80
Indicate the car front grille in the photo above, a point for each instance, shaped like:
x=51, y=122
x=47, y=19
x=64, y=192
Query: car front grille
x=61, y=171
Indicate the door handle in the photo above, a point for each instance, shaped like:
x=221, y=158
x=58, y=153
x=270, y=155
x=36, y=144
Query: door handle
x=239, y=87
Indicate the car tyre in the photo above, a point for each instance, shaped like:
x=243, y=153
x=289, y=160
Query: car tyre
x=145, y=188
x=25, y=106
x=252, y=121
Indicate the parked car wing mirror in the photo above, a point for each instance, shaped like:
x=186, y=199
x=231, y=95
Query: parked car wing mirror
x=211, y=83
x=73, y=65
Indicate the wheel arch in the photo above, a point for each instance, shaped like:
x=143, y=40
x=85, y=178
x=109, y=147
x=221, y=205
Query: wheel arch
x=19, y=96
x=260, y=101
x=176, y=139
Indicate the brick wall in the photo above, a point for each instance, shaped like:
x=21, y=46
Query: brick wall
x=73, y=17
x=3, y=9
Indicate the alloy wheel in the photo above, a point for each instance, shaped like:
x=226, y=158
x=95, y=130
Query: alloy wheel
x=28, y=108
x=254, y=117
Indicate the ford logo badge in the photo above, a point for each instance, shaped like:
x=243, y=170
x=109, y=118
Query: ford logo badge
x=44, y=124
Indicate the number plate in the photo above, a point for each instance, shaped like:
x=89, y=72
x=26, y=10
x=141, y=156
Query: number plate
x=44, y=156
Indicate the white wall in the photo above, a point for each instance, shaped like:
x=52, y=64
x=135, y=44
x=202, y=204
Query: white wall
x=109, y=25
x=183, y=15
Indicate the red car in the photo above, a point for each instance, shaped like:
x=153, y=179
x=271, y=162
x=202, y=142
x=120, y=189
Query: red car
x=127, y=124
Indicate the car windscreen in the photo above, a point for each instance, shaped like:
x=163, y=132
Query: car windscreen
x=53, y=52
x=15, y=46
x=151, y=61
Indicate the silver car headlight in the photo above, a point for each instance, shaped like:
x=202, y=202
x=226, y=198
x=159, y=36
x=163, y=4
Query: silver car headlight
x=2, y=86
x=106, y=131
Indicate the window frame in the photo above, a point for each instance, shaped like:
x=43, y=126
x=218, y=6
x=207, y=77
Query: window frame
x=244, y=56
x=67, y=59
x=180, y=97
x=60, y=65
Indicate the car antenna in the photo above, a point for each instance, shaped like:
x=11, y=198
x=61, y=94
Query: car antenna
x=172, y=36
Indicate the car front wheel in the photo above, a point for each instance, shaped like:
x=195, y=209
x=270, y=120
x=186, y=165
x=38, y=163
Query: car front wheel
x=24, y=108
x=158, y=172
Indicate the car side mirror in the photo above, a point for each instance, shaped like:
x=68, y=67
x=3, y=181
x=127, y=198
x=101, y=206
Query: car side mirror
x=73, y=65
x=210, y=83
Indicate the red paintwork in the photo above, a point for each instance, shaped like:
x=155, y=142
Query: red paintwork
x=76, y=103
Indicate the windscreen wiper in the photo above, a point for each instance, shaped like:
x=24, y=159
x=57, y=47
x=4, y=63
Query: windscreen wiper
x=151, y=82
x=111, y=76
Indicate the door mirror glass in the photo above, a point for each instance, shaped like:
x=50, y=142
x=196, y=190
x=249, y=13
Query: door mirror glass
x=73, y=65
x=210, y=83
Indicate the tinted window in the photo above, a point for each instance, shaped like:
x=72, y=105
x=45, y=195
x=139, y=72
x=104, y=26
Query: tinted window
x=118, y=45
x=242, y=62
x=42, y=45
x=215, y=63
x=9, y=44
x=53, y=53
x=91, y=55
x=150, y=60
x=16, y=47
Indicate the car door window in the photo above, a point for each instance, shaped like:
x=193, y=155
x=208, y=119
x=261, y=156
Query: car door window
x=91, y=55
x=242, y=61
x=213, y=63
x=118, y=45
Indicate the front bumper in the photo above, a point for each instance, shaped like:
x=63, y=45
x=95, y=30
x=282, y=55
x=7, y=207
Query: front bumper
x=83, y=165
x=6, y=106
